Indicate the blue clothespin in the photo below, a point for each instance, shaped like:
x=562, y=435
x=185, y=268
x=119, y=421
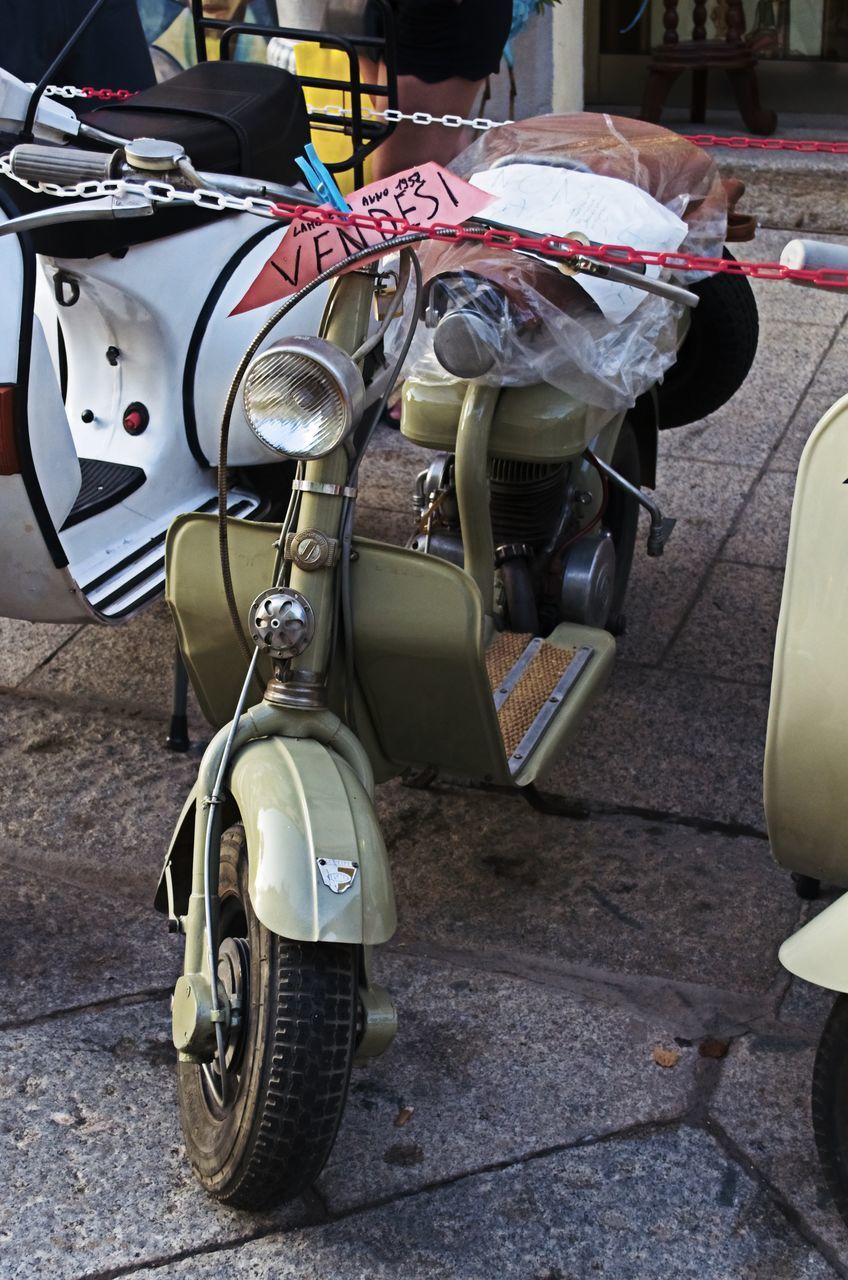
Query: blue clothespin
x=320, y=180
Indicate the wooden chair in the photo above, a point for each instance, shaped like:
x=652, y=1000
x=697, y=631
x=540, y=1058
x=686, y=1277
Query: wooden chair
x=700, y=56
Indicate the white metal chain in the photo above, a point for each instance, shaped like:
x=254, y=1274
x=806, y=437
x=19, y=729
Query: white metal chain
x=391, y=115
x=61, y=91
x=417, y=117
x=156, y=191
x=164, y=193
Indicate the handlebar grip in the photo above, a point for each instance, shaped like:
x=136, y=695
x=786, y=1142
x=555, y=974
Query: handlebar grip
x=62, y=165
x=814, y=255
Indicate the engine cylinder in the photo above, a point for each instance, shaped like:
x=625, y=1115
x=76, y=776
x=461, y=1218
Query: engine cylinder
x=526, y=499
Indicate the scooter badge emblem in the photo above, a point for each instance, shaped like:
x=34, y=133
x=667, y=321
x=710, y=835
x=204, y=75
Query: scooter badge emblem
x=337, y=876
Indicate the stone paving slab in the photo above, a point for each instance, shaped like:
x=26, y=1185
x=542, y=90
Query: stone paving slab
x=675, y=741
x=761, y=532
x=394, y=526
x=805, y=1008
x=96, y=1092
x=748, y=427
x=705, y=499
x=91, y=1151
x=66, y=945
x=90, y=792
x=25, y=645
x=389, y=471
x=129, y=668
x=730, y=632
x=667, y=1204
x=587, y=906
x=559, y=1069
x=763, y=1103
x=830, y=385
x=805, y=191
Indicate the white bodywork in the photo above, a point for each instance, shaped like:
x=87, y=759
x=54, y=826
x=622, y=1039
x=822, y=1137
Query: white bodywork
x=145, y=305
x=818, y=953
x=805, y=792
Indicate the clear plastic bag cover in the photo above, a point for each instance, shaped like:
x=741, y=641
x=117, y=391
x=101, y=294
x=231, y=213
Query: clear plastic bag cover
x=552, y=331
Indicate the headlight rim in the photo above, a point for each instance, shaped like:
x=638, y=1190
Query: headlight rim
x=343, y=373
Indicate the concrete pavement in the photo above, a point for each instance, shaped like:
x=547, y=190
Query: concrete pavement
x=607, y=1069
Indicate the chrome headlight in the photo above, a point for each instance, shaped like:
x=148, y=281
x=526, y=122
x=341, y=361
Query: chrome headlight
x=303, y=396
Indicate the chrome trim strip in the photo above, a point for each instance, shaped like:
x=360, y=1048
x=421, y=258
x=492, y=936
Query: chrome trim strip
x=548, y=710
x=331, y=490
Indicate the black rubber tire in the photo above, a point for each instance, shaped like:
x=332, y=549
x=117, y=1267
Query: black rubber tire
x=715, y=358
x=272, y=1140
x=622, y=520
x=830, y=1103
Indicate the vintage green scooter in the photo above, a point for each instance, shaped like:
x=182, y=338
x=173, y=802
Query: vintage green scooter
x=363, y=661
x=805, y=793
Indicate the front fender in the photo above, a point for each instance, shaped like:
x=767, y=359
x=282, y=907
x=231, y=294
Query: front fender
x=299, y=802
x=818, y=953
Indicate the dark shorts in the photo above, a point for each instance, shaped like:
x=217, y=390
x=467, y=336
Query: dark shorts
x=440, y=39
x=111, y=54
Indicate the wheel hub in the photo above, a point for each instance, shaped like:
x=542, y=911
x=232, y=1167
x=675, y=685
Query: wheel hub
x=234, y=976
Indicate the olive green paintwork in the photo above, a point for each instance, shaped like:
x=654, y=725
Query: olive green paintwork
x=534, y=424
x=805, y=772
x=818, y=953
x=302, y=786
x=423, y=694
x=471, y=472
x=300, y=802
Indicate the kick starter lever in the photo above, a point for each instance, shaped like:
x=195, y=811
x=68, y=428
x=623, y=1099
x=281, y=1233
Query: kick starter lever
x=661, y=526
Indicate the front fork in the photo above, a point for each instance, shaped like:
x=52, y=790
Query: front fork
x=198, y=1010
x=294, y=707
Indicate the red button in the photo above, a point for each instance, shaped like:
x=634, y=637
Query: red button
x=134, y=422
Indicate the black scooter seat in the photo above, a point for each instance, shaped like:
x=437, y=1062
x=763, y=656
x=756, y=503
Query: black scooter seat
x=242, y=118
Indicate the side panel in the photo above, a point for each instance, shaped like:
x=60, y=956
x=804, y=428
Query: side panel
x=31, y=585
x=301, y=803
x=53, y=453
x=806, y=762
x=411, y=613
x=818, y=953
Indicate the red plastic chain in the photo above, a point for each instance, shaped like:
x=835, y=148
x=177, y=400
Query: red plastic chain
x=559, y=247
x=108, y=94
x=768, y=144
x=562, y=248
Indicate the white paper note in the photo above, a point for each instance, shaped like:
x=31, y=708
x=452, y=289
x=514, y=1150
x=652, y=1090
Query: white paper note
x=546, y=199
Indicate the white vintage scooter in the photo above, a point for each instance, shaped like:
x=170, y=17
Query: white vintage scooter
x=806, y=759
x=117, y=342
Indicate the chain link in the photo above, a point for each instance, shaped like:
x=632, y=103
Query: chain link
x=558, y=248
x=391, y=115
x=483, y=125
x=61, y=91
x=805, y=145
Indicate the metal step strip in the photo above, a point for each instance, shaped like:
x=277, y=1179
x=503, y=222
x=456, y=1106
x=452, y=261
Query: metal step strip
x=140, y=576
x=550, y=706
x=515, y=673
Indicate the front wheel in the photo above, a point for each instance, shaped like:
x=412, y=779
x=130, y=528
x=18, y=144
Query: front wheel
x=265, y=1138
x=830, y=1103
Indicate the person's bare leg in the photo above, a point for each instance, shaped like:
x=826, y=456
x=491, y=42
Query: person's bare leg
x=414, y=144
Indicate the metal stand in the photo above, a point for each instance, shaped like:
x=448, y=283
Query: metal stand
x=178, y=739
